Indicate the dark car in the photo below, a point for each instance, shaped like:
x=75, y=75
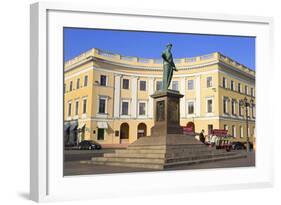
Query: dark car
x=238, y=146
x=89, y=145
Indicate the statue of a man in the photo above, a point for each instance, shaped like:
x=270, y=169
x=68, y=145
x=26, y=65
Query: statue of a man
x=168, y=67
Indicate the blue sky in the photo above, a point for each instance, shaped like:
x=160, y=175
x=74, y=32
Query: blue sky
x=151, y=44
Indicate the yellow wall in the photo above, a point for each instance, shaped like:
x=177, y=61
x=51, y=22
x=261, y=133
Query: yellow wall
x=197, y=69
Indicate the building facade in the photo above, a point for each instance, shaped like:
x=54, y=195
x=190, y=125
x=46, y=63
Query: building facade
x=107, y=96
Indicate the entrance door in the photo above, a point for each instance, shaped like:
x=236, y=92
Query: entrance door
x=124, y=133
x=141, y=130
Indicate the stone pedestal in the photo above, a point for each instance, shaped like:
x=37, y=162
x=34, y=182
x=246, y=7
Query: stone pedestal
x=166, y=113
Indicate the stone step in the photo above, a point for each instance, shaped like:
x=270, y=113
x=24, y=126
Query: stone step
x=197, y=157
x=139, y=151
x=125, y=164
x=140, y=158
x=147, y=147
x=129, y=160
x=162, y=155
x=159, y=166
x=169, y=152
x=136, y=155
x=190, y=162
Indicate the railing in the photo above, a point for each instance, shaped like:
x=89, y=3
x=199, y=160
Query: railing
x=106, y=54
x=127, y=58
x=143, y=60
x=208, y=56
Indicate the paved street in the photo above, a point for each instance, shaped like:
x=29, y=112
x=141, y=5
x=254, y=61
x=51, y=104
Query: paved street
x=74, y=167
x=76, y=155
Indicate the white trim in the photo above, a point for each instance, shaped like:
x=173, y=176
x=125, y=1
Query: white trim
x=134, y=92
x=193, y=84
x=182, y=89
x=121, y=109
x=117, y=95
x=227, y=99
x=103, y=115
x=198, y=94
x=241, y=131
x=194, y=108
x=150, y=99
x=145, y=85
x=138, y=110
x=213, y=107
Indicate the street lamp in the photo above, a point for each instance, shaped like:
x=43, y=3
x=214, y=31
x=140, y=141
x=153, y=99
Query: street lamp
x=246, y=104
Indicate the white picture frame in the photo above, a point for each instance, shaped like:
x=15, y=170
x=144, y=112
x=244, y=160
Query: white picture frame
x=46, y=142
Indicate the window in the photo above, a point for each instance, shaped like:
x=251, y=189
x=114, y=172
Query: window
x=246, y=89
x=158, y=85
x=210, y=128
x=100, y=134
x=70, y=86
x=224, y=82
x=209, y=82
x=84, y=106
x=143, y=85
x=247, y=112
x=241, y=132
x=253, y=111
x=175, y=85
x=225, y=127
x=190, y=107
x=125, y=108
x=225, y=104
x=240, y=108
x=233, y=107
x=76, y=107
x=126, y=83
x=69, y=109
x=232, y=85
x=252, y=91
x=85, y=80
x=78, y=83
x=103, y=80
x=190, y=84
x=209, y=105
x=141, y=108
x=233, y=131
x=102, y=102
x=239, y=87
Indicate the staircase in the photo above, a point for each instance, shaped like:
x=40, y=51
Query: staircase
x=146, y=153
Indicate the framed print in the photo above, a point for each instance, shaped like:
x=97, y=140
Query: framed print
x=132, y=102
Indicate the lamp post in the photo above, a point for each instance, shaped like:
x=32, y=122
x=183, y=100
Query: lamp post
x=247, y=105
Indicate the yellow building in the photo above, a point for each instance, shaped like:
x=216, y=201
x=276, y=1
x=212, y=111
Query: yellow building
x=107, y=96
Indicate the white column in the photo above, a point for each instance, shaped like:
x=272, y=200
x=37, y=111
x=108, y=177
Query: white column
x=182, y=100
x=198, y=95
x=150, y=99
x=134, y=97
x=117, y=93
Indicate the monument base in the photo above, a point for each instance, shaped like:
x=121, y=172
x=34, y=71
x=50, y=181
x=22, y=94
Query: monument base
x=162, y=152
x=167, y=146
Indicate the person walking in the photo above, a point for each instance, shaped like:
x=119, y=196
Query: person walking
x=202, y=137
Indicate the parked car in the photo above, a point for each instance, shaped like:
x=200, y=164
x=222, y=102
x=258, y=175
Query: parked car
x=238, y=145
x=89, y=145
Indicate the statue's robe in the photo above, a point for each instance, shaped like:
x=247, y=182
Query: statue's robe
x=168, y=68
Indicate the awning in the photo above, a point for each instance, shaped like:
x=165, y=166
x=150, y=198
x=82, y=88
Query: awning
x=66, y=126
x=74, y=126
x=140, y=131
x=102, y=125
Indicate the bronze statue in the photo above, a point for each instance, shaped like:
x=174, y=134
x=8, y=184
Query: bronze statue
x=168, y=67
